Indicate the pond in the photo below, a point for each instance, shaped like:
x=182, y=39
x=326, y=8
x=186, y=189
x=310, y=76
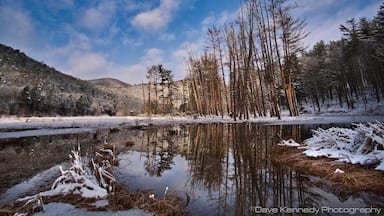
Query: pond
x=218, y=169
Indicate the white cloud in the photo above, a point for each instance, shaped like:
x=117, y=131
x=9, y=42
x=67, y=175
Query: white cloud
x=156, y=19
x=175, y=62
x=98, y=17
x=132, y=42
x=194, y=43
x=60, y=4
x=114, y=30
x=134, y=5
x=167, y=37
x=181, y=55
x=325, y=17
x=136, y=73
x=198, y=36
x=153, y=55
x=223, y=18
x=308, y=7
x=77, y=56
x=77, y=40
x=88, y=65
x=16, y=28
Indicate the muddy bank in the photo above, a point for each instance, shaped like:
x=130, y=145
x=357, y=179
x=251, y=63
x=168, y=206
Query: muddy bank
x=356, y=178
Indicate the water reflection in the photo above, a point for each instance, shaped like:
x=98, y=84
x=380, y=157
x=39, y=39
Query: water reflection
x=219, y=169
x=22, y=158
x=226, y=169
x=160, y=151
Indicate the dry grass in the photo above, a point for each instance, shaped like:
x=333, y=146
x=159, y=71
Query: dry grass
x=120, y=200
x=171, y=205
x=356, y=177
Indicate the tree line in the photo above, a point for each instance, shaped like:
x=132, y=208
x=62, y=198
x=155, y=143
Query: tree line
x=249, y=65
x=161, y=88
x=347, y=70
x=258, y=64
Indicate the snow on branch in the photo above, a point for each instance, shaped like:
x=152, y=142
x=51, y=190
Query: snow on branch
x=76, y=181
x=290, y=143
x=364, y=144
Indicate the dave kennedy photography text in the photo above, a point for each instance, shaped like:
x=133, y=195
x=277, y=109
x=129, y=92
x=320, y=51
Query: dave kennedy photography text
x=315, y=210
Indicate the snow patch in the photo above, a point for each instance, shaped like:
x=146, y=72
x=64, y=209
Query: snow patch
x=339, y=171
x=362, y=145
x=290, y=143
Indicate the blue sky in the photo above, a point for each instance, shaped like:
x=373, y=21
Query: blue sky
x=122, y=38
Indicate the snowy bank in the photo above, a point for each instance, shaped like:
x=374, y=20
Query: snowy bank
x=92, y=122
x=364, y=144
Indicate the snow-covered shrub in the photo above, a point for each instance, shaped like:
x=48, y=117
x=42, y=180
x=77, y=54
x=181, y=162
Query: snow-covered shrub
x=362, y=145
x=76, y=180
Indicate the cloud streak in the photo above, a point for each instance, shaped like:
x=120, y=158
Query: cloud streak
x=96, y=18
x=325, y=25
x=136, y=73
x=156, y=19
x=17, y=28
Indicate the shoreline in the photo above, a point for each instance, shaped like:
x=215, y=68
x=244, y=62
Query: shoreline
x=13, y=122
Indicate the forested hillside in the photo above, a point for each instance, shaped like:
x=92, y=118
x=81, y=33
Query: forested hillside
x=109, y=82
x=28, y=87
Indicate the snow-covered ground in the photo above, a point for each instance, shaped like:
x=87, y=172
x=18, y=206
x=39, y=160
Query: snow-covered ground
x=24, y=123
x=361, y=107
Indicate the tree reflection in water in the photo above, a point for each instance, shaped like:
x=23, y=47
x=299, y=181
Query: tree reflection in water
x=234, y=162
x=225, y=169
x=160, y=151
x=228, y=168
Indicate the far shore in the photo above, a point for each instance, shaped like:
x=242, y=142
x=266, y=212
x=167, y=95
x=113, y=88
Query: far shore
x=14, y=122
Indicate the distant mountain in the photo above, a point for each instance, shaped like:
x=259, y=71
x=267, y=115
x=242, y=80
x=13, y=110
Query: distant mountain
x=110, y=82
x=29, y=87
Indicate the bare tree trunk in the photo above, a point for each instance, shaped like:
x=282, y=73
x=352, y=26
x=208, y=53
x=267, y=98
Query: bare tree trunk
x=144, y=105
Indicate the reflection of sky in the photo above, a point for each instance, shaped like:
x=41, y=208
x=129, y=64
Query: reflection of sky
x=30, y=185
x=131, y=171
x=131, y=168
x=198, y=179
x=211, y=201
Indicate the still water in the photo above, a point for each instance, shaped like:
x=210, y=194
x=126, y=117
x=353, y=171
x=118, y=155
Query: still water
x=218, y=169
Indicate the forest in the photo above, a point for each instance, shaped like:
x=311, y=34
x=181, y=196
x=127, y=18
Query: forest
x=259, y=64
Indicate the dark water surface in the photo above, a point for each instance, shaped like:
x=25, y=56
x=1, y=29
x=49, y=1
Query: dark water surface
x=218, y=169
